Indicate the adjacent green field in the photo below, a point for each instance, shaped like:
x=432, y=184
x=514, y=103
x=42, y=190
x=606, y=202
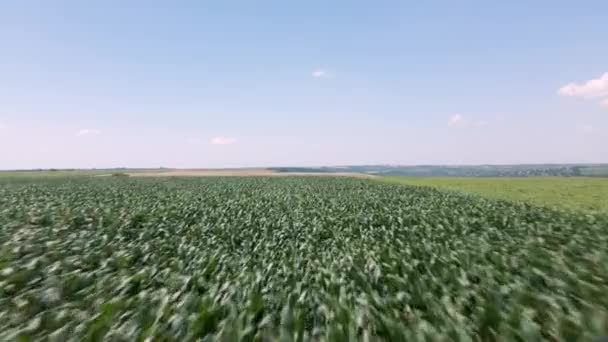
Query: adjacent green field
x=36, y=174
x=7, y=175
x=579, y=193
x=292, y=258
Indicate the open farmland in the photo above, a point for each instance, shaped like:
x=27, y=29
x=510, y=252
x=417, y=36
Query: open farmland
x=295, y=258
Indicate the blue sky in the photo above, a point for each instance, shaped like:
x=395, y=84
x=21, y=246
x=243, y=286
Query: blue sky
x=266, y=83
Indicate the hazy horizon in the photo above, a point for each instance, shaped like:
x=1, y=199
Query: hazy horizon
x=305, y=166
x=220, y=85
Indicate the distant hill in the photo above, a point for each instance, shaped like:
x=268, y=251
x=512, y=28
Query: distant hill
x=522, y=170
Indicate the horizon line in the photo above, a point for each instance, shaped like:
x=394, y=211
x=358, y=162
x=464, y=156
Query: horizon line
x=299, y=166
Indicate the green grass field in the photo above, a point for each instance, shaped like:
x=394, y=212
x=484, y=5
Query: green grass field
x=42, y=174
x=578, y=193
x=51, y=174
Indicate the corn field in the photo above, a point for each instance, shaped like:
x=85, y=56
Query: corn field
x=292, y=259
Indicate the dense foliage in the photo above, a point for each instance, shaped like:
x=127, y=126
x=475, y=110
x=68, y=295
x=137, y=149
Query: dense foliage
x=293, y=258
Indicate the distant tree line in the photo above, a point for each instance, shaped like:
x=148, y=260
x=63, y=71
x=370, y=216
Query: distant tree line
x=555, y=170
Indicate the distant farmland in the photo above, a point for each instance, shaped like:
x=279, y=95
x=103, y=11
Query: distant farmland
x=515, y=170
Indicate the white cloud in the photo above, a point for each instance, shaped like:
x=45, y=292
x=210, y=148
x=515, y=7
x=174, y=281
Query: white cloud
x=456, y=120
x=320, y=73
x=590, y=89
x=223, y=141
x=88, y=131
x=481, y=123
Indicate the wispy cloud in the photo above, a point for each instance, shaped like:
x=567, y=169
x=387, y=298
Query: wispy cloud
x=194, y=140
x=585, y=128
x=459, y=120
x=88, y=131
x=321, y=73
x=456, y=120
x=223, y=141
